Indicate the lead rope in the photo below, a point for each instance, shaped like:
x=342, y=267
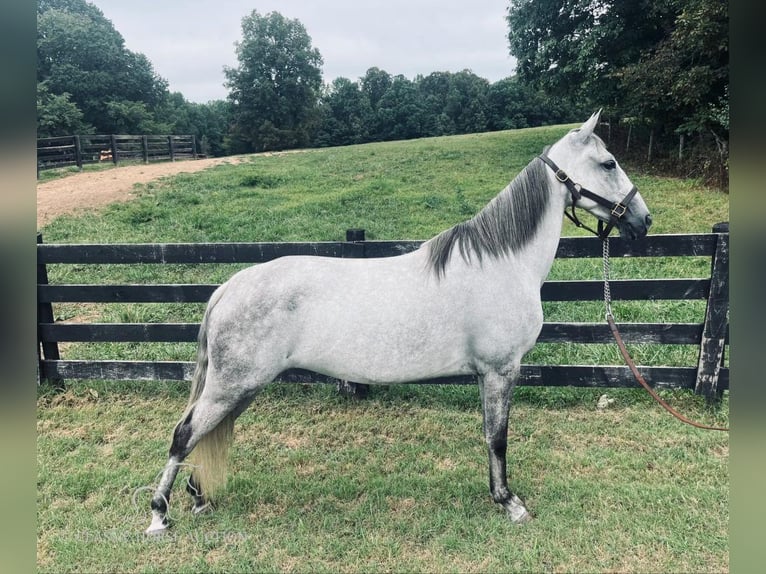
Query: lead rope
x=626, y=356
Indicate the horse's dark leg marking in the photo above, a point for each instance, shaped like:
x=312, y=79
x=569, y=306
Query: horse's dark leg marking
x=496, y=391
x=194, y=490
x=181, y=437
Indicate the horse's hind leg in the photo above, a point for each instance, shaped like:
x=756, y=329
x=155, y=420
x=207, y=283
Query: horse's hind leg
x=496, y=391
x=205, y=417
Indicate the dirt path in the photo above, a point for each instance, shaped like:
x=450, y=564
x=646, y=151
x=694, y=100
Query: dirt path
x=94, y=189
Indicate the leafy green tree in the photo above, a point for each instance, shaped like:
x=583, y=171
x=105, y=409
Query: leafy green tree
x=81, y=54
x=683, y=80
x=374, y=85
x=467, y=102
x=275, y=88
x=57, y=115
x=660, y=66
x=129, y=117
x=576, y=49
x=346, y=114
x=513, y=104
x=400, y=112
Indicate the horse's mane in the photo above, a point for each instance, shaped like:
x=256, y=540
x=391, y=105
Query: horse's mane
x=506, y=224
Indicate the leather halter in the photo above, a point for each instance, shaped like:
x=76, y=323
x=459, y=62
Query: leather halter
x=616, y=209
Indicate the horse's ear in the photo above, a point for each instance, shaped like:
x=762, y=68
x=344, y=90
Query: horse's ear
x=586, y=130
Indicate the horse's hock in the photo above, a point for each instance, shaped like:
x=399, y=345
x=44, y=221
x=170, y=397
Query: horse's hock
x=709, y=376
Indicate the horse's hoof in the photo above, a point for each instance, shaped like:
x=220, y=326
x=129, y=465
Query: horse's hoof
x=521, y=518
x=158, y=526
x=517, y=512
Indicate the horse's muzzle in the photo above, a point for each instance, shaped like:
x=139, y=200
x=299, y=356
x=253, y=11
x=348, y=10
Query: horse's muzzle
x=632, y=227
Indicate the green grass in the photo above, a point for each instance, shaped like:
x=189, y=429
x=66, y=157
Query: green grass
x=393, y=483
x=396, y=482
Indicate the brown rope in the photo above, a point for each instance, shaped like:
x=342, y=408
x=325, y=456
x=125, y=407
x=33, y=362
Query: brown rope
x=650, y=390
x=624, y=351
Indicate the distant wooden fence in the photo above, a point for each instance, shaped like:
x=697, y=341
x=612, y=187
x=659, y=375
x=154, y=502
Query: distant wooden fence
x=708, y=377
x=83, y=149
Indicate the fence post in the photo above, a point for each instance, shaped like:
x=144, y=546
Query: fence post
x=113, y=142
x=78, y=152
x=713, y=342
x=355, y=237
x=170, y=148
x=145, y=148
x=194, y=146
x=50, y=349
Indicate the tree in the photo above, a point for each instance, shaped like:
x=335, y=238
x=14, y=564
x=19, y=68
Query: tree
x=57, y=115
x=683, y=80
x=375, y=84
x=400, y=112
x=575, y=49
x=81, y=54
x=346, y=114
x=275, y=88
x=659, y=65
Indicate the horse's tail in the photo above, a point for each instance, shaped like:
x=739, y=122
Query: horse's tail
x=210, y=455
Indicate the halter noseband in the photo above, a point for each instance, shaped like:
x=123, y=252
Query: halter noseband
x=616, y=209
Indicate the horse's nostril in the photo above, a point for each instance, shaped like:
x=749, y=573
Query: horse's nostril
x=648, y=221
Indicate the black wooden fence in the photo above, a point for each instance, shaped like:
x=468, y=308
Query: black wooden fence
x=708, y=377
x=84, y=149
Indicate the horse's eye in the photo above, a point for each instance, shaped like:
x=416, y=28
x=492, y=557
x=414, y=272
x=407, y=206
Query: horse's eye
x=610, y=164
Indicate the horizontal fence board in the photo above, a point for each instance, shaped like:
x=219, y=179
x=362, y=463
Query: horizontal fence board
x=181, y=293
x=531, y=375
x=625, y=289
x=632, y=333
x=670, y=245
x=569, y=247
x=119, y=332
x=45, y=142
x=554, y=332
x=50, y=253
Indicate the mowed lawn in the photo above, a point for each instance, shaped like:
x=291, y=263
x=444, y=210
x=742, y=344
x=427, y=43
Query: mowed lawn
x=397, y=482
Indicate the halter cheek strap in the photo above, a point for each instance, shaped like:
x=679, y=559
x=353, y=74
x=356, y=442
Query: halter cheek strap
x=616, y=209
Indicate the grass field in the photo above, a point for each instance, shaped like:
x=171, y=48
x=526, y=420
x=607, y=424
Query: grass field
x=396, y=482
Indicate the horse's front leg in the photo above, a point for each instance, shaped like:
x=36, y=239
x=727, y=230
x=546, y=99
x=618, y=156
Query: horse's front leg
x=496, y=391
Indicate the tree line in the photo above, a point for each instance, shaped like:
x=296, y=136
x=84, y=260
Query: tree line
x=88, y=82
x=658, y=68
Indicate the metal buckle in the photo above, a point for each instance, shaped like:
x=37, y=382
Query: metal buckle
x=560, y=173
x=619, y=210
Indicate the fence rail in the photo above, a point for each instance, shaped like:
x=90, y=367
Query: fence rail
x=709, y=376
x=85, y=149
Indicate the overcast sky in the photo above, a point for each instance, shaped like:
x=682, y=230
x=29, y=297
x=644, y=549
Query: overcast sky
x=190, y=41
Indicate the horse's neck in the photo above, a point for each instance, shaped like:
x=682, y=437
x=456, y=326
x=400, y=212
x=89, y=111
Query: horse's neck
x=539, y=254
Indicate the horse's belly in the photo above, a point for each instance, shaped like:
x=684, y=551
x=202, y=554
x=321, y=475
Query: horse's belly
x=368, y=344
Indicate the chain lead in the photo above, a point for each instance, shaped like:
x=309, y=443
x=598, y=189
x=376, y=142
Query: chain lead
x=607, y=291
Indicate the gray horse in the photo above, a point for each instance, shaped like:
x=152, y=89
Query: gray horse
x=466, y=303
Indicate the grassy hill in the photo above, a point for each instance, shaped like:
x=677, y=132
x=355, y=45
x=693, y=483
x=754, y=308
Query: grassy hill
x=397, y=190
